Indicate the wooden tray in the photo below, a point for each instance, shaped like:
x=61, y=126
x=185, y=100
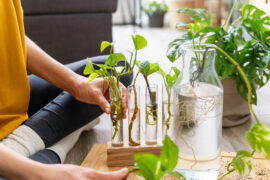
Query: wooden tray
x=97, y=159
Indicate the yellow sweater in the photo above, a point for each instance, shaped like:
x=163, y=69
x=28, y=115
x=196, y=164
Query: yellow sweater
x=14, y=85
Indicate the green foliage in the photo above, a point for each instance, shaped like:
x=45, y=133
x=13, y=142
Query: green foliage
x=151, y=167
x=146, y=68
x=169, y=155
x=104, y=45
x=139, y=42
x=252, y=53
x=114, y=59
x=154, y=7
x=201, y=17
x=242, y=163
x=169, y=79
x=258, y=138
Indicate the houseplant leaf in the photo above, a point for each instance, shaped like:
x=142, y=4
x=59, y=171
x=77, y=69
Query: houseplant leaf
x=89, y=68
x=144, y=68
x=242, y=163
x=149, y=166
x=104, y=45
x=113, y=59
x=139, y=42
x=258, y=138
x=169, y=154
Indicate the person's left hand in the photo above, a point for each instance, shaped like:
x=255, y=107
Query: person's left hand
x=97, y=92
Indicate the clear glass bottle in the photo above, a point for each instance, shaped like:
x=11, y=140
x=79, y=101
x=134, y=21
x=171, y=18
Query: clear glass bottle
x=134, y=111
x=117, y=138
x=151, y=114
x=198, y=107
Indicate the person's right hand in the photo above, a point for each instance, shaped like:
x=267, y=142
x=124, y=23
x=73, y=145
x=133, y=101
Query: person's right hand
x=71, y=172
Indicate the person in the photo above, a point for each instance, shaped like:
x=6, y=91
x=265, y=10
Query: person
x=43, y=114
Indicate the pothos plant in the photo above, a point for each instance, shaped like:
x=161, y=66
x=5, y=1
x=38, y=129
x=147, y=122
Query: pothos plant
x=146, y=69
x=152, y=167
x=169, y=81
x=243, y=57
x=112, y=75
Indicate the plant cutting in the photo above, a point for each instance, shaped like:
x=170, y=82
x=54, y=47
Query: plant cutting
x=135, y=114
x=112, y=74
x=245, y=59
x=155, y=11
x=169, y=80
x=146, y=69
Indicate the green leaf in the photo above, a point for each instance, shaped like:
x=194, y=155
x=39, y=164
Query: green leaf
x=201, y=17
x=243, y=163
x=113, y=59
x=139, y=42
x=256, y=23
x=174, y=174
x=174, y=51
x=149, y=166
x=92, y=77
x=169, y=154
x=258, y=138
x=89, y=68
x=153, y=68
x=169, y=80
x=144, y=68
x=104, y=45
x=176, y=74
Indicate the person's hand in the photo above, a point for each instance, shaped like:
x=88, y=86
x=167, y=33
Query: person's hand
x=71, y=172
x=97, y=92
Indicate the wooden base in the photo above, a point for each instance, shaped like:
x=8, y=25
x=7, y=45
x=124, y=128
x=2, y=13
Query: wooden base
x=97, y=159
x=124, y=156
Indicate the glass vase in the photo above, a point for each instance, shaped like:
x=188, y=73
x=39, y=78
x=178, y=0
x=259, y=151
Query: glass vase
x=117, y=139
x=151, y=114
x=167, y=112
x=198, y=107
x=134, y=110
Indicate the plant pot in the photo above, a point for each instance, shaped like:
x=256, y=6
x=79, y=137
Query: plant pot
x=235, y=109
x=156, y=20
x=175, y=17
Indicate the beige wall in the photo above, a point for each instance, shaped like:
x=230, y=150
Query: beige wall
x=262, y=5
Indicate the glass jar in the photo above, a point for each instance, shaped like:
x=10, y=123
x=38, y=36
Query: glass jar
x=151, y=114
x=198, y=107
x=134, y=111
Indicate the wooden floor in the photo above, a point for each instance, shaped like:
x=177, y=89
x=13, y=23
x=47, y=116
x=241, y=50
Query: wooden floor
x=233, y=139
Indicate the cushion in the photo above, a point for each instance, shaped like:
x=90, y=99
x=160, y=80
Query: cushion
x=68, y=6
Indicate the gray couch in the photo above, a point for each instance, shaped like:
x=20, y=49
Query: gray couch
x=69, y=30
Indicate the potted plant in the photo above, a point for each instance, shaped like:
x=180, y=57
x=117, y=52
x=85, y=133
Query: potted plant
x=155, y=11
x=242, y=57
x=246, y=40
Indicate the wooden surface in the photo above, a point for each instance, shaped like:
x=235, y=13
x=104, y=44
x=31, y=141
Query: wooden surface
x=124, y=155
x=97, y=158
